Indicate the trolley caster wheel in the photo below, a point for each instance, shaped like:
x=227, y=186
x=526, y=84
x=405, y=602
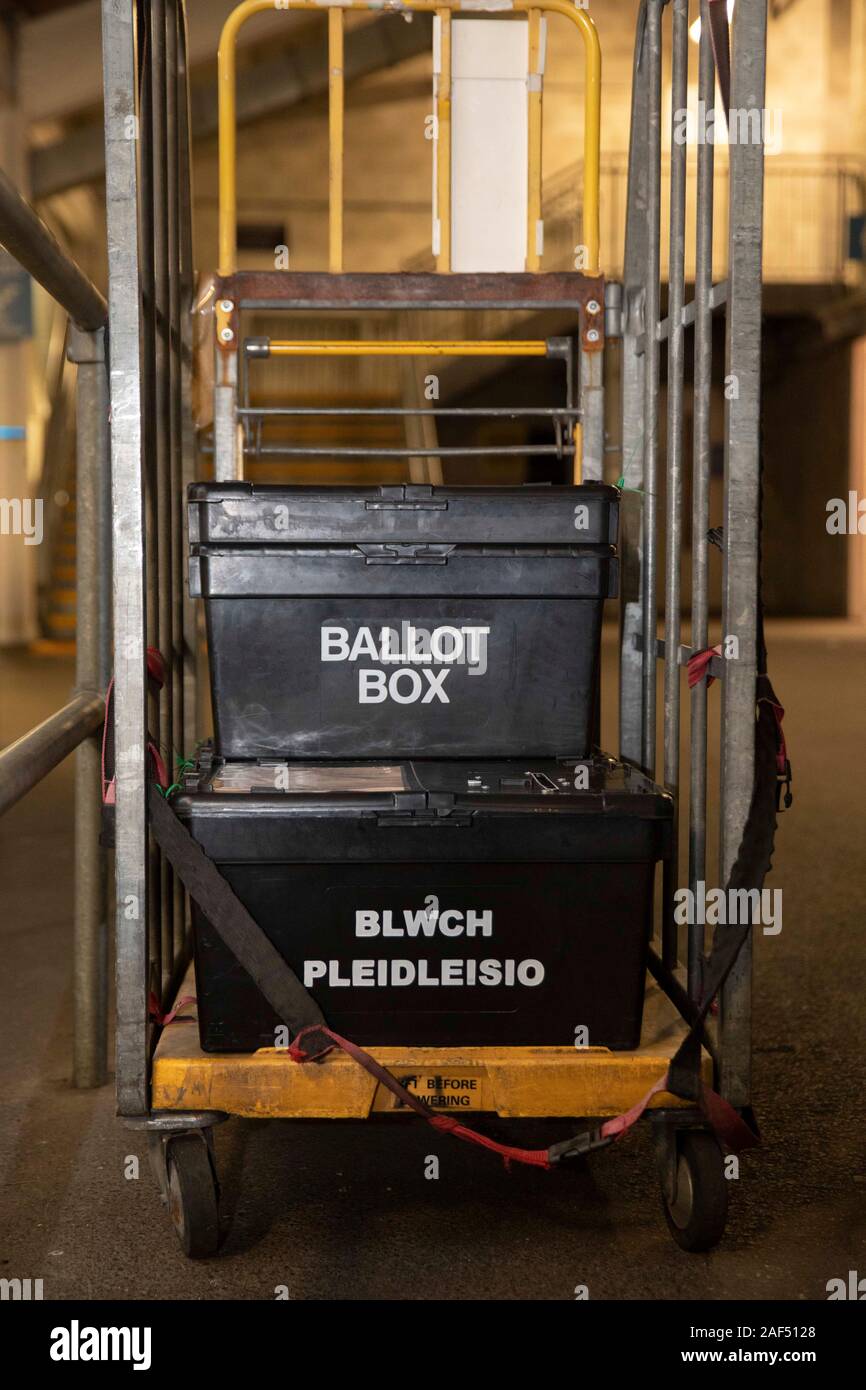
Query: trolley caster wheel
x=193, y=1196
x=696, y=1217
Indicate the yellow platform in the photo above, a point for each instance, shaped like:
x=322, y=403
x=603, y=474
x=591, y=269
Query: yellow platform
x=511, y=1081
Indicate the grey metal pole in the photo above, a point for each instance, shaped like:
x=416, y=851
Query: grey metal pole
x=188, y=430
x=162, y=405
x=121, y=139
x=676, y=365
x=674, y=441
x=631, y=544
x=173, y=266
x=150, y=428
x=90, y=944
x=701, y=498
x=591, y=388
x=652, y=39
x=26, y=237
x=742, y=494
x=25, y=762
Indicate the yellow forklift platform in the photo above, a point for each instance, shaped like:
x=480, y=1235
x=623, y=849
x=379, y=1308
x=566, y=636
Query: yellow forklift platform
x=509, y=1081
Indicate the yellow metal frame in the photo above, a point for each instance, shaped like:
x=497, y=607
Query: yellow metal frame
x=509, y=1081
x=226, y=68
x=442, y=89
x=381, y=347
x=336, y=109
x=534, y=134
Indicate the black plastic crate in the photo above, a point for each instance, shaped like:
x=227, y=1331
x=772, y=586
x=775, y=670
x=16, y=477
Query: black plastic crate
x=434, y=903
x=403, y=621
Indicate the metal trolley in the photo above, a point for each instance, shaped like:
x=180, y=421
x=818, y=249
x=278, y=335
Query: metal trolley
x=165, y=1085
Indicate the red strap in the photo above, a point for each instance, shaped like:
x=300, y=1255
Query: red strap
x=156, y=672
x=536, y=1158
x=782, y=748
x=616, y=1128
x=155, y=1012
x=698, y=666
x=158, y=764
x=108, y=789
x=156, y=665
x=729, y=1127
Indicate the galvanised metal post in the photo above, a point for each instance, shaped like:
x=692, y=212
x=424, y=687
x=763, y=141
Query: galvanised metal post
x=701, y=450
x=131, y=901
x=674, y=446
x=90, y=945
x=742, y=503
x=633, y=647
x=652, y=40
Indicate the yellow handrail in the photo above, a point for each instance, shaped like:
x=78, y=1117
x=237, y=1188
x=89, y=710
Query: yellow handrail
x=382, y=347
x=226, y=77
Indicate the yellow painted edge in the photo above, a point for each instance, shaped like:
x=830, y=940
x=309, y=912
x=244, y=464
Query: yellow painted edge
x=513, y=1082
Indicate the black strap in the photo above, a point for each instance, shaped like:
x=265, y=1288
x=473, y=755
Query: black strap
x=276, y=980
x=721, y=42
x=753, y=863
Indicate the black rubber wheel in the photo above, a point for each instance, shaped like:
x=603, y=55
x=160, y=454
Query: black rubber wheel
x=193, y=1200
x=697, y=1218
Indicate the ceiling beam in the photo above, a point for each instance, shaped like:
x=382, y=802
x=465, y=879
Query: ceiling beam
x=268, y=86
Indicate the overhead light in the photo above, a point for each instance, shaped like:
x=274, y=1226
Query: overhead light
x=695, y=29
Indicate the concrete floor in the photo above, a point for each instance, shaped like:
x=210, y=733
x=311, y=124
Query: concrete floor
x=343, y=1211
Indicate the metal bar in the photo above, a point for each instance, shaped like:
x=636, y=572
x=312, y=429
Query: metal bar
x=552, y=412
x=718, y=297
x=227, y=97
x=475, y=451
x=589, y=434
x=152, y=324
x=374, y=347
x=703, y=377
x=674, y=444
x=652, y=39
x=26, y=237
x=131, y=888
x=176, y=508
x=419, y=425
x=335, y=138
x=317, y=289
x=30, y=758
x=631, y=544
x=159, y=156
x=716, y=665
x=90, y=940
x=742, y=513
x=188, y=429
x=227, y=461
x=534, y=224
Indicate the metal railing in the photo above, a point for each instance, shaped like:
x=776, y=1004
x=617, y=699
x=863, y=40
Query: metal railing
x=644, y=334
x=798, y=250
x=153, y=449
x=26, y=762
x=442, y=191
